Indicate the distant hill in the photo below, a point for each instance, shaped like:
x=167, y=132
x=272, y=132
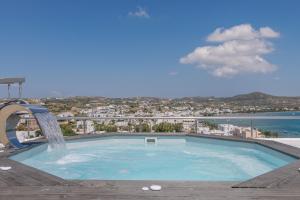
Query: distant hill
x=262, y=97
x=240, y=97
x=251, y=96
x=250, y=99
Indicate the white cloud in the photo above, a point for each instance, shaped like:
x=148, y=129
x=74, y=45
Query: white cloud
x=240, y=50
x=140, y=12
x=267, y=32
x=241, y=32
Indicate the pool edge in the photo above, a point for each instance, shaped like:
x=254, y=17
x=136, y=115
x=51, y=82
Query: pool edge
x=270, y=179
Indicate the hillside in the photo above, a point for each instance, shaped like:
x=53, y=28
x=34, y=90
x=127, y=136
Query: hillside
x=252, y=102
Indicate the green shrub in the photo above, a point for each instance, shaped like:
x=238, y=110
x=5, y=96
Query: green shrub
x=144, y=127
x=211, y=125
x=168, y=127
x=269, y=134
x=67, y=130
x=107, y=128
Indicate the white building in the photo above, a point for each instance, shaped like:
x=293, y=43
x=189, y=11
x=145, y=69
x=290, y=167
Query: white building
x=121, y=122
x=203, y=130
x=245, y=132
x=189, y=124
x=86, y=126
x=227, y=128
x=25, y=135
x=65, y=114
x=217, y=132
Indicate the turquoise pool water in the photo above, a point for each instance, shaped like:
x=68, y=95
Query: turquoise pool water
x=171, y=158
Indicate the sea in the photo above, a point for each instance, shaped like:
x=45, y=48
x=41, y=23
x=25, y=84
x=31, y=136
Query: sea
x=284, y=128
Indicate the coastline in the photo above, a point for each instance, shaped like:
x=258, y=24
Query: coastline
x=285, y=129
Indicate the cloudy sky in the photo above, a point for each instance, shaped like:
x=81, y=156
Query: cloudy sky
x=157, y=48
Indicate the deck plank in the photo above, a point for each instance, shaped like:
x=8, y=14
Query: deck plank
x=132, y=190
x=287, y=176
x=21, y=174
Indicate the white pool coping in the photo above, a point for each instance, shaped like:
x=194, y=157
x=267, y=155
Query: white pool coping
x=295, y=142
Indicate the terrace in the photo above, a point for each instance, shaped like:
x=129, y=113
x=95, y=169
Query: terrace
x=23, y=182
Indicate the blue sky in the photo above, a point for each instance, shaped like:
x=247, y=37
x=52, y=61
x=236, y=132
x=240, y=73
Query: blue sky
x=134, y=48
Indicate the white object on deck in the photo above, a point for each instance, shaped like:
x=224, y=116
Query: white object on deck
x=145, y=188
x=155, y=187
x=5, y=168
x=150, y=140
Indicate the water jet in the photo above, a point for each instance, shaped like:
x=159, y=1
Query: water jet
x=10, y=115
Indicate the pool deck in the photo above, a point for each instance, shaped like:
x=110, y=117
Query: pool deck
x=295, y=142
x=24, y=182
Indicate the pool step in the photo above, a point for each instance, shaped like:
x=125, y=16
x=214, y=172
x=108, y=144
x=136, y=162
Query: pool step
x=150, y=140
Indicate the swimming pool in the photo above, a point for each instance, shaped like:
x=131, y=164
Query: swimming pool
x=170, y=158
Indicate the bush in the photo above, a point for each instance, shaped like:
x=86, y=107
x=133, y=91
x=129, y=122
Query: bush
x=21, y=127
x=168, y=127
x=67, y=130
x=268, y=134
x=38, y=133
x=178, y=127
x=142, y=128
x=210, y=125
x=111, y=128
x=108, y=128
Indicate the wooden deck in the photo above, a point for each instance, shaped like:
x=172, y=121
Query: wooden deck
x=131, y=190
x=23, y=182
x=22, y=175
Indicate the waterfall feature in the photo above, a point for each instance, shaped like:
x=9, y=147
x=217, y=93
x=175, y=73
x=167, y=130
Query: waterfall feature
x=50, y=129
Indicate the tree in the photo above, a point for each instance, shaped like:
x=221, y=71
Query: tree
x=143, y=127
x=168, y=127
x=100, y=127
x=106, y=128
x=178, y=127
x=268, y=133
x=38, y=133
x=21, y=127
x=111, y=128
x=210, y=125
x=67, y=130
